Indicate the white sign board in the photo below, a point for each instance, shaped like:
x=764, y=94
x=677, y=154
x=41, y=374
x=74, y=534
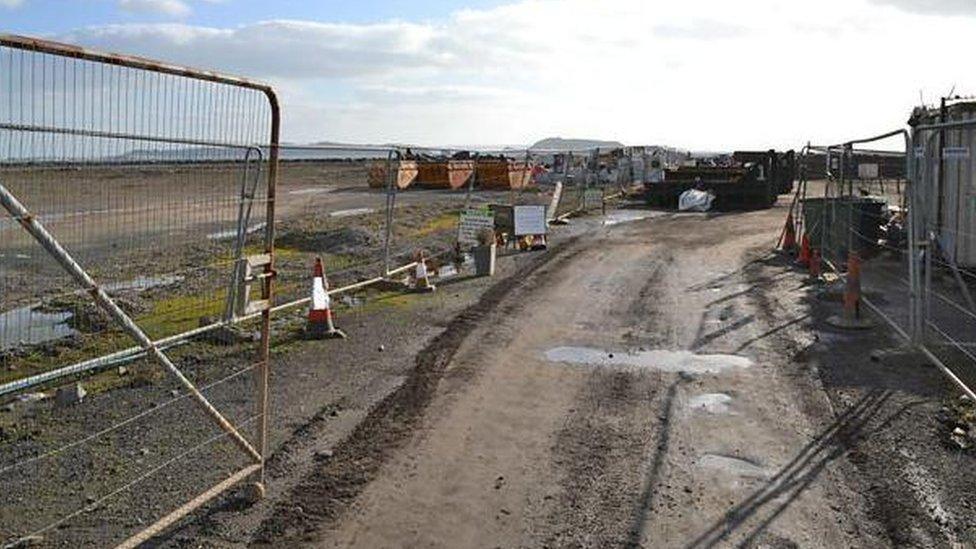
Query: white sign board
x=867, y=171
x=530, y=220
x=472, y=222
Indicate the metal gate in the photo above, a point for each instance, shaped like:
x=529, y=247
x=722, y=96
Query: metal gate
x=136, y=242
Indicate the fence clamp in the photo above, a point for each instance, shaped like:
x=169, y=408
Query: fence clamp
x=256, y=269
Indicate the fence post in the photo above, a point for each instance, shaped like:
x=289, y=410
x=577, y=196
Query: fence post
x=391, y=189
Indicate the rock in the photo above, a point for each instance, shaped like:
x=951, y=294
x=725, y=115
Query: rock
x=8, y=407
x=959, y=438
x=72, y=394
x=144, y=451
x=256, y=336
x=174, y=393
x=381, y=348
x=123, y=371
x=965, y=399
x=324, y=455
x=687, y=376
x=876, y=356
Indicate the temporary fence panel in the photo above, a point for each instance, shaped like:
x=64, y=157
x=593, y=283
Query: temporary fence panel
x=907, y=245
x=136, y=246
x=946, y=228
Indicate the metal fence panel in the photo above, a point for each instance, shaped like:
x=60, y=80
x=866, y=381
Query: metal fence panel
x=133, y=194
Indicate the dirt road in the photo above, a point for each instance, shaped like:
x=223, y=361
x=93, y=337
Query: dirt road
x=652, y=384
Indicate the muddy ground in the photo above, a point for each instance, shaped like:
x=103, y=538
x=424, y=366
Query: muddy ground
x=662, y=382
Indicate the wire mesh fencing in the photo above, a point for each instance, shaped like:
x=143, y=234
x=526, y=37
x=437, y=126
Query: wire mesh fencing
x=135, y=239
x=896, y=243
x=945, y=238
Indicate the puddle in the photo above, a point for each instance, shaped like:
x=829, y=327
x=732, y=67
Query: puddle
x=352, y=212
x=711, y=403
x=143, y=283
x=625, y=216
x=312, y=190
x=665, y=361
x=732, y=465
x=29, y=326
x=232, y=233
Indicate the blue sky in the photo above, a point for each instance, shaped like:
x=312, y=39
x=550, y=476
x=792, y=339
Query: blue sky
x=55, y=16
x=699, y=74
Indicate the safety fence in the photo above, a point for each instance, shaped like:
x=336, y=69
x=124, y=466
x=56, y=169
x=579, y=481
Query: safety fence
x=138, y=208
x=894, y=251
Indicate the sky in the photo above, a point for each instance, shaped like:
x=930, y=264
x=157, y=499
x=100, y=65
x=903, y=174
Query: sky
x=695, y=74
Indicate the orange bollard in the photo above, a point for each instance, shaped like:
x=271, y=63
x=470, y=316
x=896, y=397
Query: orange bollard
x=815, y=264
x=851, y=319
x=852, y=292
x=804, y=257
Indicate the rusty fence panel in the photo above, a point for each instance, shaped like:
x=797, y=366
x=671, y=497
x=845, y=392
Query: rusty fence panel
x=136, y=256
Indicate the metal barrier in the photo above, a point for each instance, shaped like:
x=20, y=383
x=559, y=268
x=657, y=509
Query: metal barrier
x=138, y=207
x=894, y=258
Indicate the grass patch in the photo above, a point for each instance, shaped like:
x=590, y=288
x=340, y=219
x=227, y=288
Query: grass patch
x=443, y=222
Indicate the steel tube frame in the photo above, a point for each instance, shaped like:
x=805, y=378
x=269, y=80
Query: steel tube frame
x=31, y=224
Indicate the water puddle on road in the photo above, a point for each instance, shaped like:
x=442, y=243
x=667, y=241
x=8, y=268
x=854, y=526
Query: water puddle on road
x=352, y=212
x=625, y=216
x=711, y=403
x=232, y=233
x=732, y=466
x=665, y=361
x=312, y=190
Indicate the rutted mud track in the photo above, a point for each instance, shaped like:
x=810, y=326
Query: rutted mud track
x=321, y=497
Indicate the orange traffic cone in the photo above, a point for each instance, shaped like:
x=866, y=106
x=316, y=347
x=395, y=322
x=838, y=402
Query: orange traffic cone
x=320, y=324
x=788, y=242
x=422, y=279
x=804, y=257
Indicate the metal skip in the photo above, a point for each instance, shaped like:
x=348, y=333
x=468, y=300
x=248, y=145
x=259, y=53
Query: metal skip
x=45, y=239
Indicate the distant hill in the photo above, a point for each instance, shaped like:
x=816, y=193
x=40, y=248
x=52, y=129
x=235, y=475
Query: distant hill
x=560, y=144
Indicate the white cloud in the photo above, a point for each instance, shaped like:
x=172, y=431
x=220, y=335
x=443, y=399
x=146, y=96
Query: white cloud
x=706, y=74
x=169, y=8
x=933, y=7
x=11, y=3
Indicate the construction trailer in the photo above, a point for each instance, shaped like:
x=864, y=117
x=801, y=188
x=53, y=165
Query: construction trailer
x=753, y=180
x=948, y=158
